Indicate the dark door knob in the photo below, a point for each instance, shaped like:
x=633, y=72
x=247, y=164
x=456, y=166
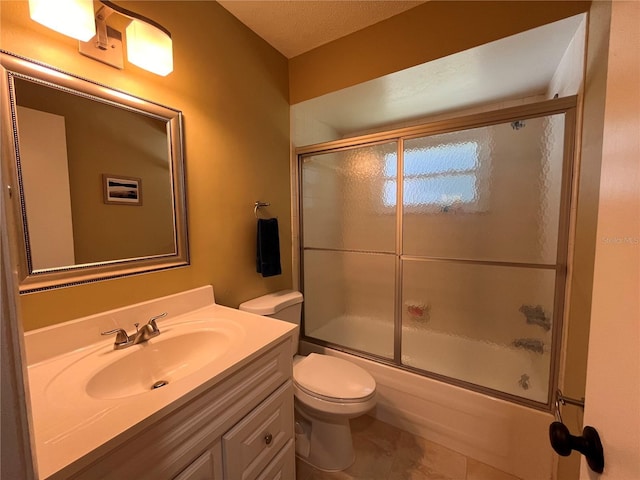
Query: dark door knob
x=588, y=444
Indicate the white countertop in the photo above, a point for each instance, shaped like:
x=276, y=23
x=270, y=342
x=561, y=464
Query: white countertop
x=69, y=424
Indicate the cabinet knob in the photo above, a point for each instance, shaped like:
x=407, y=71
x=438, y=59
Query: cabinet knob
x=268, y=438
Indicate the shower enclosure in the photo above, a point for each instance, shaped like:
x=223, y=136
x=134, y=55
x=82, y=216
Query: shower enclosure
x=442, y=248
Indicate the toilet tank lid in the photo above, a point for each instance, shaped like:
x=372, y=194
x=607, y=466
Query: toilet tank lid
x=272, y=302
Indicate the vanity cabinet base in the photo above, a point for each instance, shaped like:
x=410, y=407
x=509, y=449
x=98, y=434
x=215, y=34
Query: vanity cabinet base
x=209, y=435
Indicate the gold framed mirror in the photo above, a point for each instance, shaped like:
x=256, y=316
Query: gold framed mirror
x=79, y=158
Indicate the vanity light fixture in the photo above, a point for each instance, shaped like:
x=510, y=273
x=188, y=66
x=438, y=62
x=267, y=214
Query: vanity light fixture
x=149, y=44
x=73, y=18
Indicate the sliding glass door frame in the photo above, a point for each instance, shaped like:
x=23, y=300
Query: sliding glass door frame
x=566, y=106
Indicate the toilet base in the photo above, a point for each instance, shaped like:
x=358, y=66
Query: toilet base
x=315, y=467
x=326, y=443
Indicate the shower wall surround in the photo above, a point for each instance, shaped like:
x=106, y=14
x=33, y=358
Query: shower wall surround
x=442, y=268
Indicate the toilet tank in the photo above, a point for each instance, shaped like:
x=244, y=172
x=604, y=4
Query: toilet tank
x=284, y=305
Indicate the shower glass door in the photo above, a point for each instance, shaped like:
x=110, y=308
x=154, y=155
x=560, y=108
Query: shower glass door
x=444, y=252
x=349, y=248
x=481, y=210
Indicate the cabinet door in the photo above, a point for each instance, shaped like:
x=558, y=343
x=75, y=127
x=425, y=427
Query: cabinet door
x=205, y=467
x=251, y=445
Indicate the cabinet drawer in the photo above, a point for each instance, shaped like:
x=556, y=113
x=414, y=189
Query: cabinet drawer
x=283, y=467
x=254, y=442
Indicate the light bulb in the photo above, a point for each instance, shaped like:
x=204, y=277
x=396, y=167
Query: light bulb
x=74, y=18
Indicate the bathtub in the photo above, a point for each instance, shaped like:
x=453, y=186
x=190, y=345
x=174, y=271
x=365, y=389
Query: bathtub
x=510, y=437
x=515, y=371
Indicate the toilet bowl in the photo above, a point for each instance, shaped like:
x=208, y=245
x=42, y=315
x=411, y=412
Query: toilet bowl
x=328, y=392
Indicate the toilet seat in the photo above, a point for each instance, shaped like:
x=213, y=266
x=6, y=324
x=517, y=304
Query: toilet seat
x=333, y=379
x=300, y=389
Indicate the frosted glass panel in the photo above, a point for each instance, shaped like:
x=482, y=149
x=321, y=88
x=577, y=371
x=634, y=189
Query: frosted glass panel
x=479, y=227
x=343, y=204
x=490, y=193
x=483, y=324
x=349, y=299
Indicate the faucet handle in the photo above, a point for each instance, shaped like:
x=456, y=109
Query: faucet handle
x=153, y=323
x=121, y=335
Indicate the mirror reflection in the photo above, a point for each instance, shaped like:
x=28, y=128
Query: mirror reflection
x=100, y=176
x=74, y=152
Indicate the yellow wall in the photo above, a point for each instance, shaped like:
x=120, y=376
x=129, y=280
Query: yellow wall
x=232, y=88
x=432, y=30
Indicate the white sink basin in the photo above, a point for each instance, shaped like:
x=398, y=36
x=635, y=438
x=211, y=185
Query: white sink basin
x=159, y=362
x=176, y=353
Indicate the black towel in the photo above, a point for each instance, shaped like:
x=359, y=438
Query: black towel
x=268, y=248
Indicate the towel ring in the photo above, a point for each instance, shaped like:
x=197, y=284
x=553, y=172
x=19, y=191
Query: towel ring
x=258, y=205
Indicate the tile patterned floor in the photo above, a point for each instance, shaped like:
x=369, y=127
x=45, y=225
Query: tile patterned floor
x=384, y=452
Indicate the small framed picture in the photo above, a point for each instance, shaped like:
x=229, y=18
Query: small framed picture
x=122, y=190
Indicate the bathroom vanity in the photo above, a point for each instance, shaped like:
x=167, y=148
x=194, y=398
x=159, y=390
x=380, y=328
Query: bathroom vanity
x=225, y=410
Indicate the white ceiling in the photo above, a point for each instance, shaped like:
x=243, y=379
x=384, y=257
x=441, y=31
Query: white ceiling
x=512, y=68
x=296, y=26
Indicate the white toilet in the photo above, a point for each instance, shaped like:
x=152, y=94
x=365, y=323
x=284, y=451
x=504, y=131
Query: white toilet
x=328, y=392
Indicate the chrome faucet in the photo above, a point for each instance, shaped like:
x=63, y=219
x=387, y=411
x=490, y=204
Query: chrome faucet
x=124, y=340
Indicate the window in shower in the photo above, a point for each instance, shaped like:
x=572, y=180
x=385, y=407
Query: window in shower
x=439, y=175
x=444, y=253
